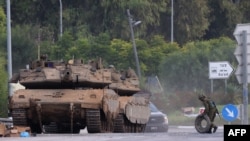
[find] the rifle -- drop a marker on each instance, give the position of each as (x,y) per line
(217,111)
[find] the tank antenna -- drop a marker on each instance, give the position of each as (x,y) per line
(38,45)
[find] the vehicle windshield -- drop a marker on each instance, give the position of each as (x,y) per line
(153,108)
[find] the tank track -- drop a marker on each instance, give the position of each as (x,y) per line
(93,119)
(119,126)
(51,128)
(135,128)
(19,117)
(123,125)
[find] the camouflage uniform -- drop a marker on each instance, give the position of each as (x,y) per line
(210,110)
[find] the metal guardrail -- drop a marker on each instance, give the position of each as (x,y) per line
(7,121)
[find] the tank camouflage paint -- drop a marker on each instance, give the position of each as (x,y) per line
(67,97)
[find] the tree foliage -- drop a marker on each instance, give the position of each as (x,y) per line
(3,66)
(23,45)
(187,69)
(3,86)
(191,20)
(223,17)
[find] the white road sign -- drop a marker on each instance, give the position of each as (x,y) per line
(241,50)
(220,70)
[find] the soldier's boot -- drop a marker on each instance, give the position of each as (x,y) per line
(215,128)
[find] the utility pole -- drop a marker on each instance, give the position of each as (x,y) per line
(172,21)
(9,45)
(61,18)
(131,24)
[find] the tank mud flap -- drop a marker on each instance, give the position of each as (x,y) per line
(111,106)
(202,123)
(137,110)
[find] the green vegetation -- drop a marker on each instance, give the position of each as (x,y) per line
(177,118)
(3,72)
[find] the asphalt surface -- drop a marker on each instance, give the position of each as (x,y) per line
(175,133)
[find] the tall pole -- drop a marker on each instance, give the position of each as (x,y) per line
(172,21)
(9,44)
(245,78)
(60,17)
(134,45)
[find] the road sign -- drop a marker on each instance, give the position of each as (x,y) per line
(238,74)
(229,112)
(238,54)
(220,70)
(242,52)
(239,28)
(242,35)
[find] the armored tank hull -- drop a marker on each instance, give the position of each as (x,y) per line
(65,98)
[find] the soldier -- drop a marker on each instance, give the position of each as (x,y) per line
(210,111)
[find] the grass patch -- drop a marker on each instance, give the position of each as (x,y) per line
(178,118)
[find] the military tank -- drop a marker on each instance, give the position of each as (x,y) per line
(66,97)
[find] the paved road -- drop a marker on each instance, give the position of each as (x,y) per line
(180,133)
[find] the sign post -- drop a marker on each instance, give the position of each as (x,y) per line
(242,54)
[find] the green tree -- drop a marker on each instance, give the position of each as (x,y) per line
(23,47)
(93,16)
(83,48)
(120,54)
(224,16)
(60,50)
(187,69)
(3,66)
(3,86)
(244,7)
(100,46)
(153,54)
(190,20)
(115,18)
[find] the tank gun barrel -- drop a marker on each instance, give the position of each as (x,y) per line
(67,75)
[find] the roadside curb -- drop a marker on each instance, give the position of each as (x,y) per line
(190,127)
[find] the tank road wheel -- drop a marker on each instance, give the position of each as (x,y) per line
(202,123)
(93,120)
(20,119)
(119,126)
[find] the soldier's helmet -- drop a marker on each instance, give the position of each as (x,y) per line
(202,96)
